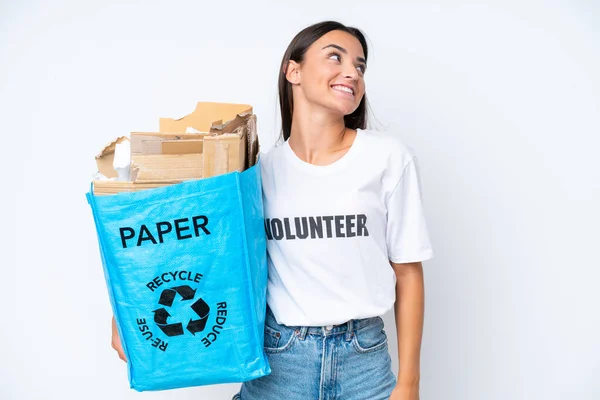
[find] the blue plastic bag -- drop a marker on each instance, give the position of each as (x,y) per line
(186,271)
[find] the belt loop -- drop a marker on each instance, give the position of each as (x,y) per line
(301,332)
(350,331)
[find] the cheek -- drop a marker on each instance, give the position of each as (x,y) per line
(320,75)
(317,84)
(361,89)
(362,85)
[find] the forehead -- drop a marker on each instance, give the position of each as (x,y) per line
(340,38)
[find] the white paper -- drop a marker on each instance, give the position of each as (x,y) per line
(99,177)
(189,129)
(122,160)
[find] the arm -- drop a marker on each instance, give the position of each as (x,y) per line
(408,313)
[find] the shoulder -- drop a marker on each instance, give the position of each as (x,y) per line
(389,147)
(271,151)
(270,157)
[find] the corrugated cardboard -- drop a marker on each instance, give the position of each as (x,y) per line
(224,153)
(182,146)
(204,117)
(160,167)
(113,187)
(104,160)
(152,142)
(253,147)
(239,120)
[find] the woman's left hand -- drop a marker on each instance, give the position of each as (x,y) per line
(405,392)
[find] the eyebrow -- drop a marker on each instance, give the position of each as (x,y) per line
(343,50)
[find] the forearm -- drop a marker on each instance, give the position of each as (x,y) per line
(409,312)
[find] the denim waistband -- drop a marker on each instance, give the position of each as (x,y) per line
(347,327)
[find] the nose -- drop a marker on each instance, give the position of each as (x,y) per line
(350,72)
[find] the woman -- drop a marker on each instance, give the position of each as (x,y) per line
(346,235)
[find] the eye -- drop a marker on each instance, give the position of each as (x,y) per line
(334,54)
(363,67)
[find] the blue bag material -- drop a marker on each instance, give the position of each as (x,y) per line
(186,272)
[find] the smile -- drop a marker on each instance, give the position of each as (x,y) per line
(344,89)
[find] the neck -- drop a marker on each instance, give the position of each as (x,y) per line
(316,133)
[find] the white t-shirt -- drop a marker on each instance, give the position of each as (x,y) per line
(332,230)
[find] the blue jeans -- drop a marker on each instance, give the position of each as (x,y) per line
(341,362)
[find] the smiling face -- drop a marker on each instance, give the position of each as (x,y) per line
(332,73)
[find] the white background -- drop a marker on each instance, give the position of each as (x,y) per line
(499,99)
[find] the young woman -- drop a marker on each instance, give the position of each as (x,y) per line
(346,235)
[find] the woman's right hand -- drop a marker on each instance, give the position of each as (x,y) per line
(116,340)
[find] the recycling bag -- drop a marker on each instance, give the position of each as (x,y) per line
(186,271)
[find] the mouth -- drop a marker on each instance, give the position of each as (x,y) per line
(345,90)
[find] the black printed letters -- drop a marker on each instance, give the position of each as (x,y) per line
(178,229)
(328,226)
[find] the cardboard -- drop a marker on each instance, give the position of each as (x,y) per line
(152,142)
(244,124)
(204,117)
(253,147)
(182,146)
(103,188)
(224,153)
(160,167)
(227,141)
(104,159)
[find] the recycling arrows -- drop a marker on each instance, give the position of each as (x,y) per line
(202,309)
(175,329)
(160,317)
(168,295)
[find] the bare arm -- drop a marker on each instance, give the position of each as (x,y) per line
(408,312)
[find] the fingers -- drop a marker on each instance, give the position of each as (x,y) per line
(116,344)
(116,341)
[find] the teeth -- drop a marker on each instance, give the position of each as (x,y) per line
(343,89)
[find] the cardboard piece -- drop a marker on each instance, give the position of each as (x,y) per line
(182,146)
(102,188)
(246,123)
(152,142)
(161,167)
(224,153)
(253,147)
(204,117)
(104,159)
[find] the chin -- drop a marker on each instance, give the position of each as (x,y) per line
(340,107)
(346,109)
(343,106)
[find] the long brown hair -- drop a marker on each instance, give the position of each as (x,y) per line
(295,51)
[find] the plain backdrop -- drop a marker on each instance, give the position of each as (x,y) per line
(499,99)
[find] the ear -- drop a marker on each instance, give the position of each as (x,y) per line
(293,72)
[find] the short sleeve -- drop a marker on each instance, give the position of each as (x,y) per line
(407,236)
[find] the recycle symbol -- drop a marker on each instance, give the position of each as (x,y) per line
(175,329)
